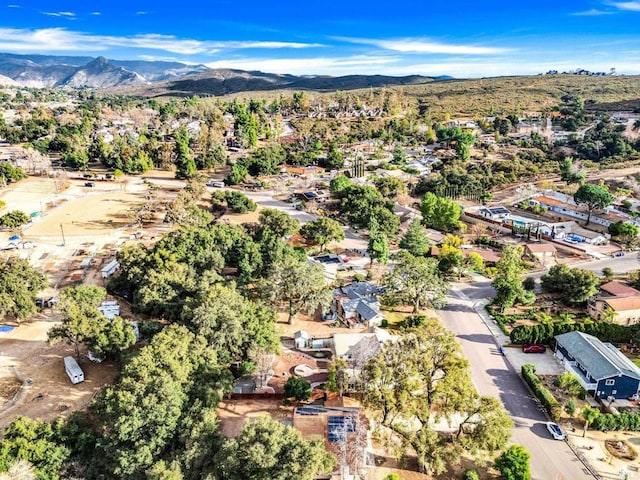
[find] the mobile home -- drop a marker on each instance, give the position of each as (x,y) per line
(110,269)
(75,373)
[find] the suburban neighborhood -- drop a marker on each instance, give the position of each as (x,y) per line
(330,284)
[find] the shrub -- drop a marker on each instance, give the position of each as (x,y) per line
(621,421)
(544,395)
(544,333)
(14,219)
(414,321)
(298,388)
(471,475)
(529,283)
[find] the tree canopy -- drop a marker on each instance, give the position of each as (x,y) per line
(269,450)
(322,231)
(19,286)
(594,197)
(439,212)
(576,285)
(415,281)
(508,281)
(422,378)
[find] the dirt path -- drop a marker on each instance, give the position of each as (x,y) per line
(51,394)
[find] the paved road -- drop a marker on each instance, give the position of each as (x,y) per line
(493,376)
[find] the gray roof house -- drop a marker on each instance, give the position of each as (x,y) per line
(600,367)
(357,304)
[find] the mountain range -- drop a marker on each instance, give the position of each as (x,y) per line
(154,78)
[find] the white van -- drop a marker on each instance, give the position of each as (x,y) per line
(75,373)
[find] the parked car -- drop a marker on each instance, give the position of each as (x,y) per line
(89,184)
(556,431)
(534,348)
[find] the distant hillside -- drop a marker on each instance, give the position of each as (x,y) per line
(531,93)
(226,82)
(61,71)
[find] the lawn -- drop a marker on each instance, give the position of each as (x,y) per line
(636,361)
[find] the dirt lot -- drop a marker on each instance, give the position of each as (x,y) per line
(313,327)
(88,215)
(51,394)
(233,413)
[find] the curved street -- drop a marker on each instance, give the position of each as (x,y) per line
(494,376)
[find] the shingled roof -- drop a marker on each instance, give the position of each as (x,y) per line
(601,360)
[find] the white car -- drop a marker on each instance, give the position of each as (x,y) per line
(556,431)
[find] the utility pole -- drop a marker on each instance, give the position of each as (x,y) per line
(62,230)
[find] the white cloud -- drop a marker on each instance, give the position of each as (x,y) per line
(96,13)
(60,39)
(14,6)
(628,6)
(594,12)
(416,45)
(59,14)
(358,64)
(140,12)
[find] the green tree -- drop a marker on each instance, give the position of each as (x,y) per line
(339,185)
(322,231)
(404,382)
(269,450)
(238,202)
(76,160)
(415,281)
(337,376)
(390,187)
(14,219)
(594,197)
(590,415)
(513,464)
(451,260)
(10,173)
(277,223)
(335,158)
(568,174)
(231,324)
(608,273)
(19,285)
(399,155)
(439,212)
(149,409)
(415,240)
(575,284)
(298,285)
(185,165)
(298,388)
(111,337)
(81,317)
(236,175)
(35,442)
(378,247)
(508,281)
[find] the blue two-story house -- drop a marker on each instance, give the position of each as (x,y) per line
(601,368)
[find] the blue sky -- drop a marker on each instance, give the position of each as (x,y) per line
(459,38)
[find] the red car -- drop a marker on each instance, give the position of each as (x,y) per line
(534,348)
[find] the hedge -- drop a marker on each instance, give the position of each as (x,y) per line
(621,421)
(544,332)
(544,395)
